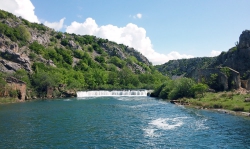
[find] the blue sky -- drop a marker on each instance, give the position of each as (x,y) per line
(161,29)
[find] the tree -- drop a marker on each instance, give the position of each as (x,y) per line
(199,88)
(182,88)
(24,33)
(21,74)
(38,48)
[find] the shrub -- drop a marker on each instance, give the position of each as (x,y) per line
(59,35)
(24,33)
(238,108)
(166,89)
(36,47)
(182,88)
(217,106)
(199,88)
(90,49)
(64,42)
(13,93)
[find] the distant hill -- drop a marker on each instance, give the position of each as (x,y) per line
(237,58)
(45,59)
(183,66)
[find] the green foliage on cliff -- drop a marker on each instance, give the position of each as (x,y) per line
(184,66)
(19,33)
(73,61)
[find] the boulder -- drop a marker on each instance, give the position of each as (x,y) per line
(247,100)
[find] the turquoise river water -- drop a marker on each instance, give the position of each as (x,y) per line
(118,122)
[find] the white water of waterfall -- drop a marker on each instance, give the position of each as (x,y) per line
(112,93)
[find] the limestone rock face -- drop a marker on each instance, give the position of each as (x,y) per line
(8,66)
(221,82)
(48,62)
(138,55)
(124,53)
(237,58)
(17,85)
(15,61)
(14,48)
(39,37)
(244,40)
(11,59)
(74,45)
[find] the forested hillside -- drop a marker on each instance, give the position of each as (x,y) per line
(45,59)
(183,66)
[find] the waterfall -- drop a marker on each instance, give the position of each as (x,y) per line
(112,93)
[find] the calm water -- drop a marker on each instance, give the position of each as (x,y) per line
(118,122)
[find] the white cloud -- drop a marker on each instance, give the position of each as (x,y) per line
(139,15)
(215,53)
(130,35)
(55,25)
(23,8)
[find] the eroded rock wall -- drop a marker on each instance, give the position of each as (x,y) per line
(18,85)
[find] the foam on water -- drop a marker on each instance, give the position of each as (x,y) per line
(200,124)
(157,126)
(150,132)
(112,93)
(167,123)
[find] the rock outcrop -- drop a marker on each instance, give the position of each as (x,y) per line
(11,59)
(41,38)
(216,78)
(237,58)
(73,45)
(244,40)
(18,85)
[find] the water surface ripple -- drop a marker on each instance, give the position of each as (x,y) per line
(118,122)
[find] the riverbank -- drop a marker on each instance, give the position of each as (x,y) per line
(6,100)
(234,103)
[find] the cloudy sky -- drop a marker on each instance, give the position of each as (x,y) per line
(161,30)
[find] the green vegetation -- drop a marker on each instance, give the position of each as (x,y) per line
(222,100)
(70,62)
(4,100)
(194,94)
(183,87)
(182,66)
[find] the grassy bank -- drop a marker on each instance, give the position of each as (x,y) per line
(8,100)
(222,100)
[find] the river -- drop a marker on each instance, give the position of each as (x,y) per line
(118,122)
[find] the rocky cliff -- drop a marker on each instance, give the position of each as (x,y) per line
(236,60)
(45,60)
(238,57)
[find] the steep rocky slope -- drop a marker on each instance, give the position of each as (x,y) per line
(238,57)
(53,64)
(15,51)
